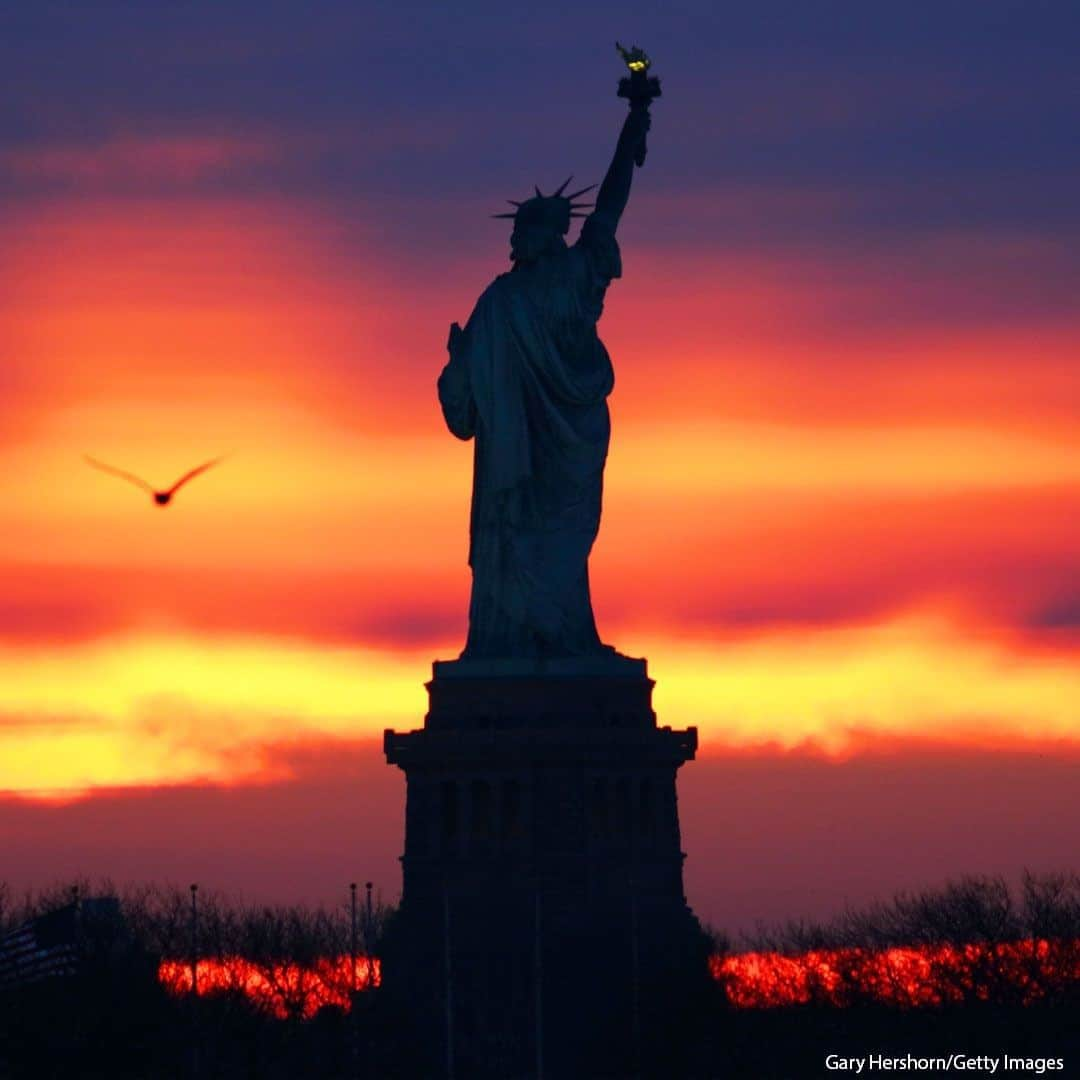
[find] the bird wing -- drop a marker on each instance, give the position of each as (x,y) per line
(192,474)
(130,477)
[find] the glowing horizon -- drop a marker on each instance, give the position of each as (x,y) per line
(152,708)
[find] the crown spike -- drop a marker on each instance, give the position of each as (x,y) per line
(513,202)
(581,192)
(562,186)
(504,215)
(539,193)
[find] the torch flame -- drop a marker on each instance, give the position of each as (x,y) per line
(634,58)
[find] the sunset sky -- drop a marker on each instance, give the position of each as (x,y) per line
(842,505)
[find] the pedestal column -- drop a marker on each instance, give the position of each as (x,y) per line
(543,861)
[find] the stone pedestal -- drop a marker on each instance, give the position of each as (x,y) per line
(543,915)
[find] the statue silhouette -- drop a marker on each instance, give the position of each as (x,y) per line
(528,379)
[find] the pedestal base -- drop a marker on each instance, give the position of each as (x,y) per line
(542,905)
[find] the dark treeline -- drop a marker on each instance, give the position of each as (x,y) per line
(970,910)
(159,918)
(976,967)
(114,1018)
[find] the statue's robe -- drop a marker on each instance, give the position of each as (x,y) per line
(529,378)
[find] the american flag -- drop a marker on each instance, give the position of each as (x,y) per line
(48,946)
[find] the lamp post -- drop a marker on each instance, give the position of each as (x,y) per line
(194,943)
(195,1063)
(368,928)
(352,935)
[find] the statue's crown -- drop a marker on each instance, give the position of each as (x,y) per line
(554,210)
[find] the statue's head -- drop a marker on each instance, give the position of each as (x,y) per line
(540,223)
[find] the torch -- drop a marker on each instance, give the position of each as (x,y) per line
(639,88)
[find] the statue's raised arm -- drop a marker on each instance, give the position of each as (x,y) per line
(639,88)
(614,191)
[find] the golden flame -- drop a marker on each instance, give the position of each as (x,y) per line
(635,59)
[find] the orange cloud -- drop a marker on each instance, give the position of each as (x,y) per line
(878,516)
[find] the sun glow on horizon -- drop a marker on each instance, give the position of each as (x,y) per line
(154,709)
(904,977)
(145,710)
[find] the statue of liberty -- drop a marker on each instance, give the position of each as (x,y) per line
(528,379)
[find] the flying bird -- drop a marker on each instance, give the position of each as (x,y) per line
(161,498)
